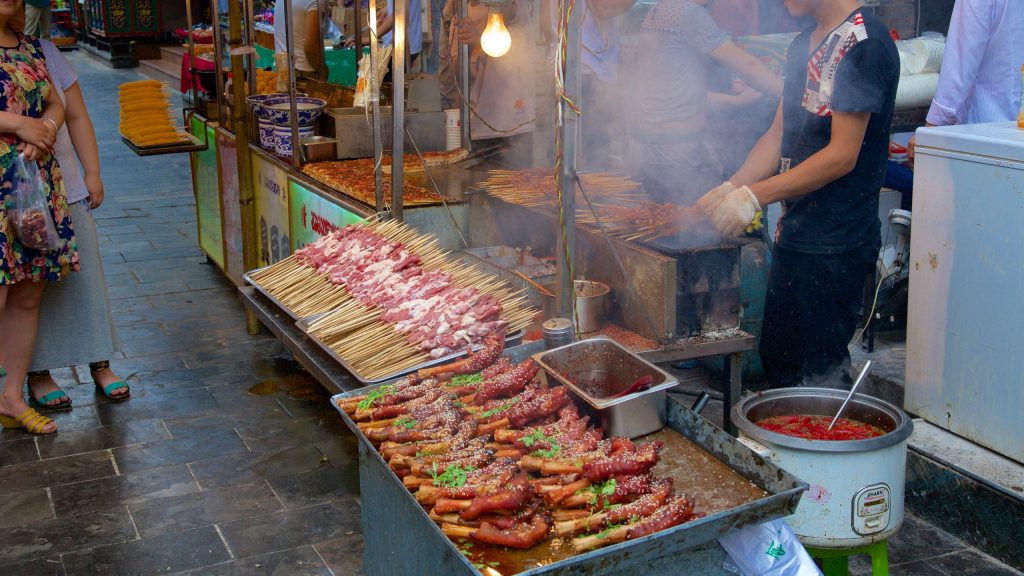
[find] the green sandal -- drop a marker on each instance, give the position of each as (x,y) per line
(43,402)
(106,390)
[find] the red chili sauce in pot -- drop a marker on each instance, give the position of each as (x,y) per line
(816,428)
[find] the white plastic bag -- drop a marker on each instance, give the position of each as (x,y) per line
(28,208)
(769,549)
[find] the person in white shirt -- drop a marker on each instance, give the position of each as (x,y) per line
(980,77)
(413,26)
(307,36)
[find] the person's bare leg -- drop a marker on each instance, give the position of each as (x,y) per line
(19,323)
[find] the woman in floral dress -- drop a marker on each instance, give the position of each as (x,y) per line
(30,115)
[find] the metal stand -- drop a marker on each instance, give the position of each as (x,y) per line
(325,369)
(730,347)
(398,109)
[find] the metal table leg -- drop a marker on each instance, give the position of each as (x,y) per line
(733,390)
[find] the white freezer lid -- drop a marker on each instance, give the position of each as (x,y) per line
(997,139)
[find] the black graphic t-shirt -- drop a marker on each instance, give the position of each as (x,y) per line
(855,69)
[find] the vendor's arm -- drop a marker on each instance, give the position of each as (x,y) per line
(747,67)
(969,32)
(835,160)
(313,43)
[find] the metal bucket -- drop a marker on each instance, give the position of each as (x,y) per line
(856,486)
(591,305)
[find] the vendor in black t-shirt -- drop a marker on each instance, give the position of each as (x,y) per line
(824,158)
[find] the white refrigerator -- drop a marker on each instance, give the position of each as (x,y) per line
(965,326)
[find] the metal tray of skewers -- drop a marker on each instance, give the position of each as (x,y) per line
(733,487)
(303,324)
(247,278)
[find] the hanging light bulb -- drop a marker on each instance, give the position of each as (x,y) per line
(495,40)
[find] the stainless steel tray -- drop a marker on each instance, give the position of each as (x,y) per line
(401,539)
(303,324)
(246,278)
(602,358)
(596,354)
(513,339)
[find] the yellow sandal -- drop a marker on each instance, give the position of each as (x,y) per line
(30,420)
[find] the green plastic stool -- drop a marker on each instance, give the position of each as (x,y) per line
(836,562)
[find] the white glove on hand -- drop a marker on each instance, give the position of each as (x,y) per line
(735,211)
(709,201)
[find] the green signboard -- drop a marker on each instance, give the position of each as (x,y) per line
(312,215)
(206,184)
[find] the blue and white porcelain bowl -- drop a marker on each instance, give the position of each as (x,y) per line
(267,134)
(283,138)
(256,103)
(278,110)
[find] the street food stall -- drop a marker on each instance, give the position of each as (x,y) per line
(411,269)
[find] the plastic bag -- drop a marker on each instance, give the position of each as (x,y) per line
(769,549)
(28,209)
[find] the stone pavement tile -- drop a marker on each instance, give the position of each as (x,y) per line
(55,472)
(61,535)
(970,563)
(144,346)
(157,555)
(313,407)
(143,254)
(247,467)
(117,491)
(320,486)
(148,329)
(142,365)
(256,354)
(17,447)
(168,269)
(270,436)
(184,403)
(178,513)
(343,453)
(918,540)
(191,425)
(39,567)
(151,289)
(344,555)
(129,304)
(80,418)
(169,381)
(116,435)
(291,528)
(231,402)
(129,318)
(25,508)
(124,243)
(205,282)
(179,450)
(120,279)
(303,561)
(118,230)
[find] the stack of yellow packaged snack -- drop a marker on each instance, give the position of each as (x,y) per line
(146,118)
(266,81)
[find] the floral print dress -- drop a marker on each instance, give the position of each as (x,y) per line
(24,89)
